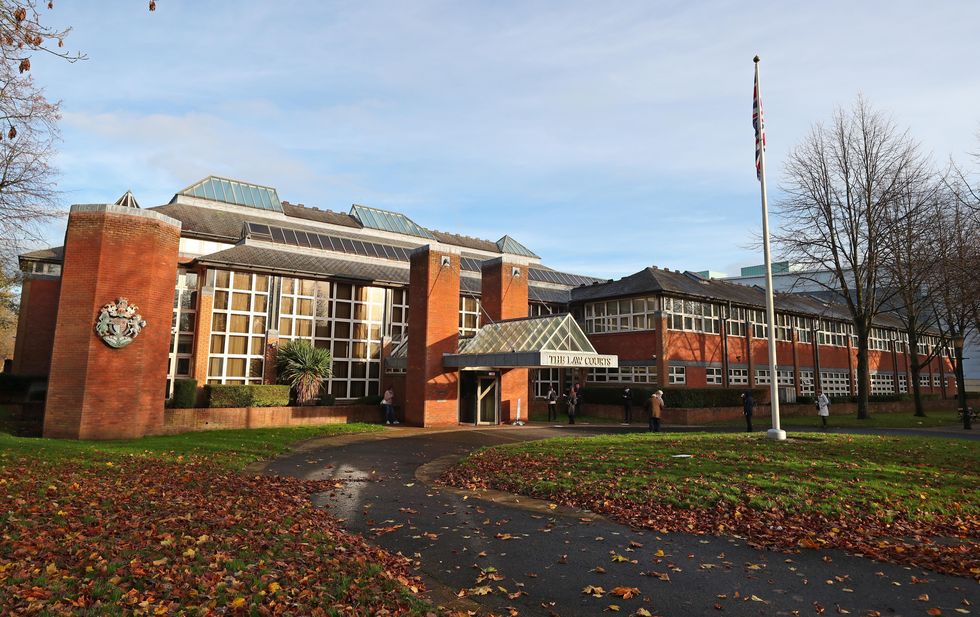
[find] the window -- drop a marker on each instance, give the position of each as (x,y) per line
(759,327)
(537,309)
(925,344)
(397,326)
(623,374)
(738,376)
(804,332)
(762,377)
(937,382)
(713,376)
(806,382)
(542,379)
(923,380)
(297,300)
(676,375)
(352,331)
(625,315)
(835,383)
(833,333)
(882,383)
(879,339)
(736,322)
(784,327)
(785,377)
(469,315)
(903,383)
(182,327)
(692,316)
(238,327)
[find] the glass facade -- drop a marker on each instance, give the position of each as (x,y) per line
(469,315)
(182,327)
(238,326)
(692,316)
(626,315)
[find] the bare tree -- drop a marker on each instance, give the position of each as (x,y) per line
(955,285)
(911,264)
(840,183)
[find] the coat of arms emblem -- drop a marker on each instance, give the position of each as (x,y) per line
(119,323)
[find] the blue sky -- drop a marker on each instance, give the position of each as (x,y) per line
(605,136)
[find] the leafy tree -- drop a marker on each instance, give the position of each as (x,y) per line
(304,367)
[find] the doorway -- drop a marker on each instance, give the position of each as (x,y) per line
(479,397)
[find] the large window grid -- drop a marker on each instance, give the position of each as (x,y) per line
(182,327)
(625,315)
(542,379)
(355,327)
(623,374)
(693,316)
(397,324)
(738,376)
(806,383)
(469,315)
(833,333)
(299,300)
(676,375)
(879,339)
(784,327)
(835,383)
(238,327)
(882,383)
(760,328)
(735,324)
(804,329)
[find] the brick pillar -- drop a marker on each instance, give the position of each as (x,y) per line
(660,348)
(96,391)
(503,295)
(431,391)
(35,324)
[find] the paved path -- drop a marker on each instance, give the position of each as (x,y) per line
(550,556)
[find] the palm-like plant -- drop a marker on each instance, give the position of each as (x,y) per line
(304,367)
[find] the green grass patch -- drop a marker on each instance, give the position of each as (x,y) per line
(234,449)
(905,419)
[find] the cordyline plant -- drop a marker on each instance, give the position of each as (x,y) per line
(304,367)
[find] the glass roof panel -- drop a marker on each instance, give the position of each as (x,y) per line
(512,246)
(386,220)
(550,333)
(235,192)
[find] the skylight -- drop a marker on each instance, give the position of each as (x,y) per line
(512,246)
(386,220)
(235,192)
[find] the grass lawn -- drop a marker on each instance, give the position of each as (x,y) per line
(936,418)
(866,494)
(169,525)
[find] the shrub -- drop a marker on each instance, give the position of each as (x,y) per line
(374,399)
(248,396)
(328,399)
(673,397)
(269,395)
(304,367)
(185,393)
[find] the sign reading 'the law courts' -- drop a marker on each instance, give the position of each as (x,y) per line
(578,360)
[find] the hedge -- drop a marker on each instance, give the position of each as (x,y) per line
(374,399)
(673,397)
(248,396)
(185,393)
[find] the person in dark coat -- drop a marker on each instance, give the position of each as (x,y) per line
(572,401)
(627,406)
(748,406)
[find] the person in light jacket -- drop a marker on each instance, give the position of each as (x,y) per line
(552,398)
(823,408)
(655,406)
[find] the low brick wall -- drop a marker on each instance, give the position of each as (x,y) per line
(702,415)
(177,421)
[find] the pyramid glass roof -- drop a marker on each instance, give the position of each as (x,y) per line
(385,220)
(549,333)
(512,246)
(235,192)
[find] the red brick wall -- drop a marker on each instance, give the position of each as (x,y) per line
(431,391)
(35,325)
(95,391)
(504,296)
(176,421)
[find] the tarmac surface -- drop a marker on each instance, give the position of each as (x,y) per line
(528,557)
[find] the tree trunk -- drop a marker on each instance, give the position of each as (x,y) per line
(863,376)
(912,353)
(961,388)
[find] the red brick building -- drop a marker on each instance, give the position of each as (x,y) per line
(466,329)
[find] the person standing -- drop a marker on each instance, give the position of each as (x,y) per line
(552,398)
(748,406)
(823,408)
(655,405)
(572,401)
(627,406)
(388,403)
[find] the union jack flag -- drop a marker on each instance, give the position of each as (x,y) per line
(759,125)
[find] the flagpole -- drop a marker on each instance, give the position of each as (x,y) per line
(775,432)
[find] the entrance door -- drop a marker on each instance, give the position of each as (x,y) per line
(487,400)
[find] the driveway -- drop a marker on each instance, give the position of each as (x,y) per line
(537,561)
